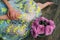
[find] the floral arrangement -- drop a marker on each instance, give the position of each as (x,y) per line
(42,26)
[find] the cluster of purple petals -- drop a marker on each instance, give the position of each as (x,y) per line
(42,26)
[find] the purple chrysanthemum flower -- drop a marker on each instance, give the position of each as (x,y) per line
(42,26)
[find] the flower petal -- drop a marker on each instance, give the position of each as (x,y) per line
(40,29)
(49,30)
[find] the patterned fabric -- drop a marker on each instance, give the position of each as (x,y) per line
(3,8)
(18,29)
(28,8)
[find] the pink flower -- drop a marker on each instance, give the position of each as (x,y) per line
(52,23)
(40,29)
(34,34)
(43,19)
(48,30)
(42,26)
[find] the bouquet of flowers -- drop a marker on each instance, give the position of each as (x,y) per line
(42,27)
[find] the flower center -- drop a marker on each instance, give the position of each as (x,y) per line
(44,23)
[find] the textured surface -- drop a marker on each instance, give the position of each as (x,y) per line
(53,12)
